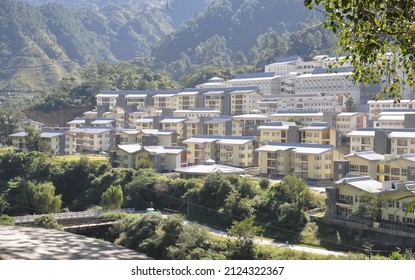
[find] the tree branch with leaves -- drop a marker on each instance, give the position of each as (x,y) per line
(377,37)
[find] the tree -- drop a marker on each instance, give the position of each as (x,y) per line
(244,231)
(264,183)
(371,205)
(34,141)
(10,116)
(39,197)
(191,243)
(350,104)
(377,37)
(112,198)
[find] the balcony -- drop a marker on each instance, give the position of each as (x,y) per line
(344,201)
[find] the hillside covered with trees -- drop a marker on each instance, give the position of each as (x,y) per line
(46,41)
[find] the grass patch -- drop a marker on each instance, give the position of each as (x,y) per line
(91,158)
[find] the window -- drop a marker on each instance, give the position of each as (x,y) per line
(353,168)
(363,168)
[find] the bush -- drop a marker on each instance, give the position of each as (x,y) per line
(47,221)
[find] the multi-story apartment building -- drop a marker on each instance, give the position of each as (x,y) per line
(362,140)
(214,99)
(321,102)
(349,121)
(336,81)
(251,122)
(268,83)
(54,141)
(227,150)
(397,167)
(202,148)
(304,118)
(319,133)
(244,101)
(268,105)
(402,142)
(237,151)
(382,168)
(378,106)
(223,126)
(176,124)
(89,139)
(308,161)
(165,100)
(165,159)
(344,197)
(284,132)
(144,123)
(187,100)
(366,163)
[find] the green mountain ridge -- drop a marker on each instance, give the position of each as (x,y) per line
(44,41)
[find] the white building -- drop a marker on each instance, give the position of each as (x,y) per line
(349,121)
(336,81)
(378,106)
(268,83)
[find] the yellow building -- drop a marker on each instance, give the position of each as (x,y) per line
(192,127)
(319,133)
(244,101)
(130,136)
(396,167)
(162,101)
(283,132)
(165,159)
(177,124)
(214,100)
(251,122)
(237,151)
(308,161)
(202,148)
(223,126)
(367,163)
(144,123)
(344,197)
(226,150)
(187,100)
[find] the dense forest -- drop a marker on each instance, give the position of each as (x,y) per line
(44,42)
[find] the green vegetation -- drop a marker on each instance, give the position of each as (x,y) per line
(47,221)
(112,198)
(369,32)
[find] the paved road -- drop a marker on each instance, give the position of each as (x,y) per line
(25,243)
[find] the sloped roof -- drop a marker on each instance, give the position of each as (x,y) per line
(365,183)
(130,148)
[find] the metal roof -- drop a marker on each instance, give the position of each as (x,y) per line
(205,169)
(365,183)
(401,134)
(369,155)
(130,148)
